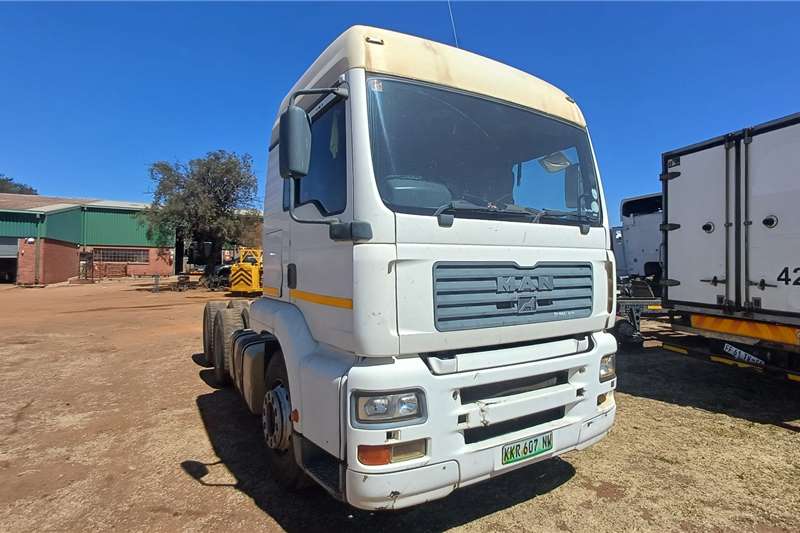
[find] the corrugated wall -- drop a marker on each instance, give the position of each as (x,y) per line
(20,225)
(92,226)
(118,227)
(64,226)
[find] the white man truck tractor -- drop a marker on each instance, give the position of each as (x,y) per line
(437,276)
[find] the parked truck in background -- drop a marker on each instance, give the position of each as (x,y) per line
(438,276)
(637,250)
(731,243)
(637,243)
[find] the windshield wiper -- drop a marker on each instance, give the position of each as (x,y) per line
(555,213)
(461,205)
(468,207)
(584,219)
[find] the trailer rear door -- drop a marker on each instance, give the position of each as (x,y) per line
(771,204)
(698,185)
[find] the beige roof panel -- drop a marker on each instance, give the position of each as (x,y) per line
(44,204)
(388,52)
(36,202)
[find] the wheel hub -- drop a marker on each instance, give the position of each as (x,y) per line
(276,418)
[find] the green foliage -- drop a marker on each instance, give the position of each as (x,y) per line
(208,200)
(8,185)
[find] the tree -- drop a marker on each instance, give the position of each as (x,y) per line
(8,185)
(208,200)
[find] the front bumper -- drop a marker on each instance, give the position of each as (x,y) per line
(465,439)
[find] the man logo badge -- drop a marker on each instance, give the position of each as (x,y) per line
(524,283)
(526,304)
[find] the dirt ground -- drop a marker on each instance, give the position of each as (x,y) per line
(107,421)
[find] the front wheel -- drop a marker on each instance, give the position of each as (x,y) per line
(276,423)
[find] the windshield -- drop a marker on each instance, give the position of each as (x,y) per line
(436,150)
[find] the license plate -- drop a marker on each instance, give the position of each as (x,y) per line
(526,448)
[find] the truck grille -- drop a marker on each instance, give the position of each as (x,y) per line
(484,295)
(478,434)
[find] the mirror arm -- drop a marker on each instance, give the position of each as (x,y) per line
(341,92)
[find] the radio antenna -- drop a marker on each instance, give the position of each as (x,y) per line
(452,23)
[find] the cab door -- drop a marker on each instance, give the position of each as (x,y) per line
(320,270)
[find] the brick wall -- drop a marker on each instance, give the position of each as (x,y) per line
(58,261)
(159,261)
(26,258)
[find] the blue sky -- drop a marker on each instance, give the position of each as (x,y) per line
(91,94)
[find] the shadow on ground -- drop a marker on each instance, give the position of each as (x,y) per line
(662,375)
(236,437)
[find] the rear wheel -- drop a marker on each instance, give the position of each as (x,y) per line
(246,316)
(227,321)
(276,423)
(209,314)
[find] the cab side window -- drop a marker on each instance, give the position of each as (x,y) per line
(326,183)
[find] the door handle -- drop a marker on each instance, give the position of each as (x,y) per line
(761,284)
(291,275)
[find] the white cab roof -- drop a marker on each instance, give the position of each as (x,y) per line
(397,54)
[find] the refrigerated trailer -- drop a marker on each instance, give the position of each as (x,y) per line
(731,225)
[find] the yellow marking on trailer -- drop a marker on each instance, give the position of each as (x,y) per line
(748,328)
(272,291)
(727,361)
(322,299)
(654,308)
(672,348)
(793,377)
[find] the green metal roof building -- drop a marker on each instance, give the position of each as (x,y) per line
(54,230)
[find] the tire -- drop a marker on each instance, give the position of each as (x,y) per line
(626,335)
(209,314)
(246,317)
(227,321)
(238,304)
(282,463)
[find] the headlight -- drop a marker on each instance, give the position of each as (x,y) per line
(374,408)
(608,367)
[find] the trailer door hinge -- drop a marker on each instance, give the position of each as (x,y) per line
(669,282)
(714,281)
(669,226)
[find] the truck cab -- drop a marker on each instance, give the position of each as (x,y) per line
(438,275)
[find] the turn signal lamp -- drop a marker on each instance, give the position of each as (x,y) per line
(390,453)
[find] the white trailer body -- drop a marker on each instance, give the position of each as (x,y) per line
(442,329)
(641,235)
(731,237)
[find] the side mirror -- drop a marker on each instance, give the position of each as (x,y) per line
(294,142)
(572,181)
